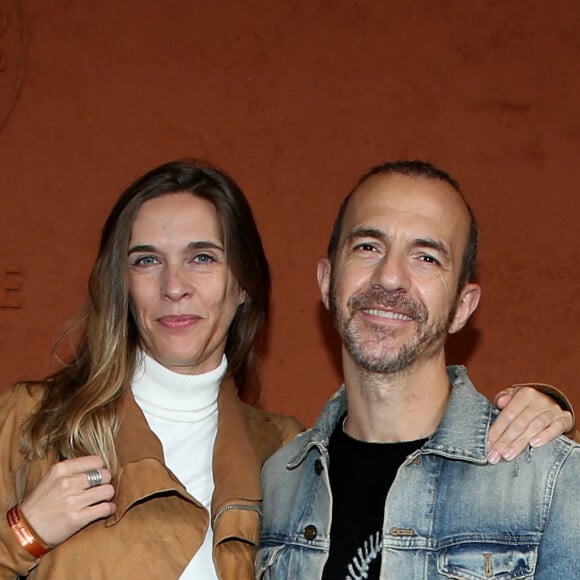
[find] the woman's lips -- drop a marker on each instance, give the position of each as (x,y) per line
(178,320)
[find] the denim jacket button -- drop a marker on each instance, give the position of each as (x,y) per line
(310,532)
(318,467)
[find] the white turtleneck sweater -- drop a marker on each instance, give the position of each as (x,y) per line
(182,411)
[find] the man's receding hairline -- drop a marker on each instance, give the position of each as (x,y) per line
(429,179)
(467,215)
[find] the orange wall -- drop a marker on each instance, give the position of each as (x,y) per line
(296,100)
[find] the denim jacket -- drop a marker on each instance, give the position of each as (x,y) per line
(448,514)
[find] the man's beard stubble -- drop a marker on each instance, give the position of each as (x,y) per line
(385,358)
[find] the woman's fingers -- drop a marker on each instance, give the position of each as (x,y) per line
(528,417)
(71,495)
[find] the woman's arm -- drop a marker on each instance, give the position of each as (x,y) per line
(59,505)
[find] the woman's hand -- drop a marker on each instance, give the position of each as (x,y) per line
(528,417)
(63,502)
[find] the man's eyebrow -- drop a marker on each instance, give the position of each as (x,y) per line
(417,242)
(199,245)
(365,233)
(433,244)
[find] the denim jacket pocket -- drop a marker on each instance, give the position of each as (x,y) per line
(483,560)
(265,560)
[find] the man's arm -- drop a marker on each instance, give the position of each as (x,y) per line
(532,414)
(558,550)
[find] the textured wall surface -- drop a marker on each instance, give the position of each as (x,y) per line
(296,100)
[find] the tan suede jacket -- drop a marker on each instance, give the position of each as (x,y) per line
(158,526)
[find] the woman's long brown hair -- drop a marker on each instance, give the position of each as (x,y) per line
(80,410)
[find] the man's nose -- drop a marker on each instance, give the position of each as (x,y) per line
(392,273)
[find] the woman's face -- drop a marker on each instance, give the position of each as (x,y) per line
(183,294)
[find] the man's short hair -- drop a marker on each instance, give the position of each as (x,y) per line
(424,170)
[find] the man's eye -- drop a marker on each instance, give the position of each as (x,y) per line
(429,259)
(365,247)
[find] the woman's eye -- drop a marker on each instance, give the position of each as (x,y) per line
(203,259)
(145,261)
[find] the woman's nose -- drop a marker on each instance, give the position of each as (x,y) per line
(175,283)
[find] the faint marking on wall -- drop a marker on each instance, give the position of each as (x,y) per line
(11,286)
(12,55)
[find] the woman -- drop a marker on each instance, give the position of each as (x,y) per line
(138,459)
(180,286)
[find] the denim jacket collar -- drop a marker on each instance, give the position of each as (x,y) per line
(466,408)
(462,432)
(319,435)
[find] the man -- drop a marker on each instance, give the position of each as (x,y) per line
(393,482)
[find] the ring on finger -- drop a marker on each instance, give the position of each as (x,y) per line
(94,477)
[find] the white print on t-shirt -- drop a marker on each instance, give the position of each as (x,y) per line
(358,569)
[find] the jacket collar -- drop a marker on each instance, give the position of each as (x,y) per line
(461,434)
(320,434)
(236,467)
(142,472)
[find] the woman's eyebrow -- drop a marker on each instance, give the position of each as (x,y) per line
(198,245)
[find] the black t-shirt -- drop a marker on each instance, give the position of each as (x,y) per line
(361,475)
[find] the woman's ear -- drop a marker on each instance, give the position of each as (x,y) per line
(242,297)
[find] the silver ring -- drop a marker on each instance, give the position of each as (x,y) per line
(94,477)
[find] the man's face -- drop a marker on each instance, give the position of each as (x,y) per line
(393,289)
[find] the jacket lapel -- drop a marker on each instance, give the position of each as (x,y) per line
(142,472)
(236,466)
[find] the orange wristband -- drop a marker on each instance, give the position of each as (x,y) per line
(25,536)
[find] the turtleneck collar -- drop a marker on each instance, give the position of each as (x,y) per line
(164,393)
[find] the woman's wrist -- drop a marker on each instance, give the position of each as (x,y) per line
(24,533)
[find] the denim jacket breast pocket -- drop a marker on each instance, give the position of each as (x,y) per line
(482,560)
(289,561)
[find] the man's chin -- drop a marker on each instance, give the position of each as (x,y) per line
(381,360)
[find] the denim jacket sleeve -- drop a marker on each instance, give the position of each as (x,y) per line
(558,550)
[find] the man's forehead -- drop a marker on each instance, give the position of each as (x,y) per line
(407,198)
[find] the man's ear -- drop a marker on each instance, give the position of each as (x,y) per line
(323,274)
(466,305)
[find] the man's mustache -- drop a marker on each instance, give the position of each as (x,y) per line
(380,298)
